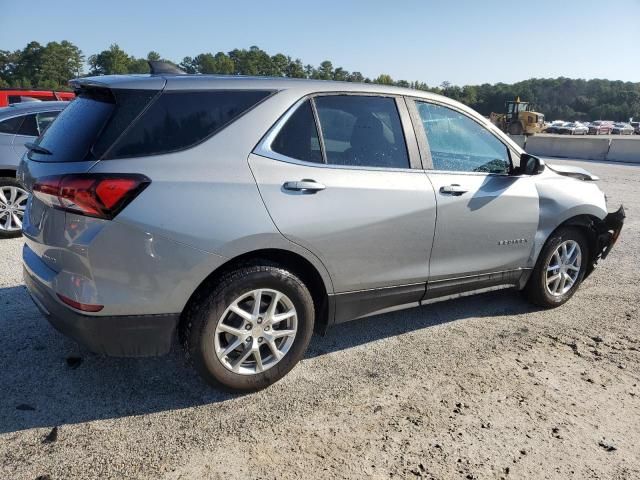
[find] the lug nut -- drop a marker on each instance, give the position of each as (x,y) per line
(248,339)
(259,319)
(247,326)
(267,328)
(260,339)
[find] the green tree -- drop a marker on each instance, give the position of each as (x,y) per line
(110,62)
(60,62)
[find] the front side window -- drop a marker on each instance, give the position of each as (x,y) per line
(298,138)
(362,131)
(460,144)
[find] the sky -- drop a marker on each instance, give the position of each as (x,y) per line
(459,41)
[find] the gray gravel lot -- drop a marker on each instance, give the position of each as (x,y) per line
(481,387)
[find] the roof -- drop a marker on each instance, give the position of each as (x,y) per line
(298,86)
(199,81)
(31,107)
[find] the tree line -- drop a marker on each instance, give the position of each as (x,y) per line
(50,66)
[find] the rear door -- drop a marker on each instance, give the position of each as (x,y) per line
(340,178)
(8,130)
(487,217)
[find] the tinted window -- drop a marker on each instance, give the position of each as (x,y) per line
(70,137)
(29,126)
(298,138)
(11,125)
(129,104)
(460,144)
(178,120)
(44,119)
(362,131)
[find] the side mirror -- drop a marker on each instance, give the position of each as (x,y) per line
(530,165)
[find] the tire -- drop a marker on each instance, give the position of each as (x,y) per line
(515,129)
(205,342)
(536,289)
(11,208)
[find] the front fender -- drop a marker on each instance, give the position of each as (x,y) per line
(562,199)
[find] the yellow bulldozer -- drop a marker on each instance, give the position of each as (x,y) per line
(518,118)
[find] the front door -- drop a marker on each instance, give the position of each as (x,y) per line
(487,218)
(350,195)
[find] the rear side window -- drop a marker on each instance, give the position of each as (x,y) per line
(29,126)
(362,131)
(298,138)
(179,120)
(11,125)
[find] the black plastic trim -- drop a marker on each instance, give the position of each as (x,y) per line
(118,336)
(352,305)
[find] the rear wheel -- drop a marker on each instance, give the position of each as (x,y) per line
(251,330)
(560,268)
(13,201)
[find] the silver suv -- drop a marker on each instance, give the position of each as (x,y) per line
(241,214)
(20,123)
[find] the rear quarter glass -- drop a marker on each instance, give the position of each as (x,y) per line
(178,120)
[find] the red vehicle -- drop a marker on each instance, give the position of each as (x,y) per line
(600,127)
(18,95)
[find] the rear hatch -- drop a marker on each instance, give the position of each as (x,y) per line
(81,135)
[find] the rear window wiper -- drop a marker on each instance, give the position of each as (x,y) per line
(32,147)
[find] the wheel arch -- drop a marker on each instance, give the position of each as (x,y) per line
(291,261)
(7,172)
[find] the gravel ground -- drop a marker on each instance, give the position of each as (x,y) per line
(481,387)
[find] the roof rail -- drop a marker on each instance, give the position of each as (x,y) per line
(158,68)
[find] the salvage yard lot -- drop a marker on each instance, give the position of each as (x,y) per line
(481,387)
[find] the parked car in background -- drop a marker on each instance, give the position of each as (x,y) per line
(555,126)
(10,96)
(622,129)
(19,123)
(600,127)
(636,127)
(316,202)
(573,128)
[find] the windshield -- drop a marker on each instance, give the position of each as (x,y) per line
(70,136)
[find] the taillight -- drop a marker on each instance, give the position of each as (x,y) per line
(93,194)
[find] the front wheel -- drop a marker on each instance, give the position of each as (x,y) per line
(13,201)
(251,329)
(560,268)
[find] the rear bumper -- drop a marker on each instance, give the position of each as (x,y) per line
(119,336)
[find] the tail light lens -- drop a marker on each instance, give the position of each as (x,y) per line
(91,194)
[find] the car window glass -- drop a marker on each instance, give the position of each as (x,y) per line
(179,120)
(298,138)
(29,126)
(362,131)
(11,125)
(460,144)
(44,119)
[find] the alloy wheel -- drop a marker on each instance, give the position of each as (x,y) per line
(13,201)
(256,331)
(563,268)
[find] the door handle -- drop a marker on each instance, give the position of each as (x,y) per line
(453,189)
(305,185)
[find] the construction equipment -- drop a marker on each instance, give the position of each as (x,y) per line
(518,118)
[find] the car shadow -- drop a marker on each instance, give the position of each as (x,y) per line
(47,380)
